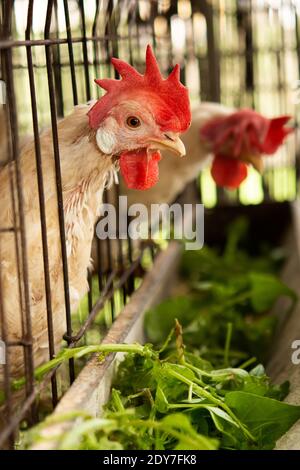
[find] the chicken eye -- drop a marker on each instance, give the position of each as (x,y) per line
(133,122)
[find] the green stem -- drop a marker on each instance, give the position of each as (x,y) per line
(83,351)
(248,363)
(193,406)
(227,344)
(236,300)
(204,393)
(213,375)
(116,400)
(168,340)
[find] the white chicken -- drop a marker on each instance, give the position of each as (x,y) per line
(138,115)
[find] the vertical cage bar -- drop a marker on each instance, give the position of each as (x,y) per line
(85,51)
(58,181)
(6,372)
(41,194)
(57,67)
(71,52)
(28,351)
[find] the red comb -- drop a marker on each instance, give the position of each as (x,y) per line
(168,97)
(245,128)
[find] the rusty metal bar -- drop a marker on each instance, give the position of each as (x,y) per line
(28,352)
(56,66)
(41,194)
(109,260)
(7,390)
(51,41)
(58,179)
(4,337)
(71,53)
(85,51)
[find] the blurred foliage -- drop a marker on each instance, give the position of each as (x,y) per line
(229,292)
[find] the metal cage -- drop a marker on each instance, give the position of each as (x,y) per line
(240,52)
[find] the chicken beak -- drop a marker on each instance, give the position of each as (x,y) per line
(256,161)
(172,143)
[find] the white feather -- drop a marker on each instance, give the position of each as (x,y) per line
(106,140)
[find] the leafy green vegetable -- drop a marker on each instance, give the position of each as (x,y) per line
(183,308)
(229,289)
(179,401)
(267,419)
(200,392)
(265,290)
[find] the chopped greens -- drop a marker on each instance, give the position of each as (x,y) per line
(221,289)
(179,401)
(199,386)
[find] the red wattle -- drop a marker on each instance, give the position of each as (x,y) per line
(228,172)
(139,168)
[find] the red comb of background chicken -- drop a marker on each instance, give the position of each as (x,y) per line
(239,139)
(168,97)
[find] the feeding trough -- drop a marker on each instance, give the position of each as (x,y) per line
(91,390)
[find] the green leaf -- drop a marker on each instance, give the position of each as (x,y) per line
(172,389)
(221,414)
(106,444)
(223,374)
(266,418)
(161,401)
(223,423)
(236,232)
(160,320)
(188,438)
(181,369)
(258,371)
(266,289)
